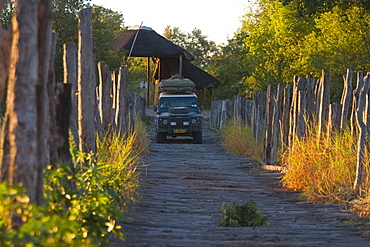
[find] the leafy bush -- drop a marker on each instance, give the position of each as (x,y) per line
(244,215)
(82,204)
(40,226)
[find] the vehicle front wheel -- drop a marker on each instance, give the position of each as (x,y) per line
(197,137)
(161,137)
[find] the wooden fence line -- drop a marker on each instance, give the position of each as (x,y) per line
(279,115)
(105,107)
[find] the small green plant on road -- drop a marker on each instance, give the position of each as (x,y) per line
(241,215)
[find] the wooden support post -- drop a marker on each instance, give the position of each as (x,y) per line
(148,81)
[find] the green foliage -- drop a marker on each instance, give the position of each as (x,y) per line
(82,205)
(107,24)
(195,43)
(40,226)
(241,215)
(282,38)
(6,14)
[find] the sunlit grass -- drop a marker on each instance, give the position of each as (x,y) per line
(238,139)
(324,170)
(118,157)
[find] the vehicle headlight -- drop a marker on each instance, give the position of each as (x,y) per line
(173,123)
(185,123)
(194,121)
(165,121)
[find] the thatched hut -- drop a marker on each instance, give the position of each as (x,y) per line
(170,58)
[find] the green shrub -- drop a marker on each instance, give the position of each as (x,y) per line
(82,204)
(244,215)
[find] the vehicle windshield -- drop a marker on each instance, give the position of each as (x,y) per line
(168,102)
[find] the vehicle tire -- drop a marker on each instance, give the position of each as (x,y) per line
(161,137)
(197,137)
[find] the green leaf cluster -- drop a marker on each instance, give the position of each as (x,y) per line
(107,24)
(241,215)
(279,39)
(83,204)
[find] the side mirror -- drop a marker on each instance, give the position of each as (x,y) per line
(155,108)
(201,107)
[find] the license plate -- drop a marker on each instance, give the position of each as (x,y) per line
(179,131)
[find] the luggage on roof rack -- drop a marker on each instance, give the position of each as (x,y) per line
(177,85)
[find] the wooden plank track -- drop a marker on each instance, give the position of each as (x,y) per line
(185,185)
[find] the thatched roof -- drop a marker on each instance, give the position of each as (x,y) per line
(149,44)
(201,78)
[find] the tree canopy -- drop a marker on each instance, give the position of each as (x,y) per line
(106,26)
(283,38)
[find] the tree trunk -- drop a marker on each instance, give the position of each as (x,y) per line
(86,83)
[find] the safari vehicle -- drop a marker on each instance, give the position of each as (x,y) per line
(178,112)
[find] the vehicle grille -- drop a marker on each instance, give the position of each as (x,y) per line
(180,121)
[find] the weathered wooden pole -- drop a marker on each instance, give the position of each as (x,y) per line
(86,83)
(121,101)
(20,162)
(105,99)
(271,93)
(285,123)
(324,103)
(276,120)
(346,99)
(301,107)
(70,77)
(356,93)
(361,117)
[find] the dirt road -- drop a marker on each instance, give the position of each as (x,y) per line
(185,185)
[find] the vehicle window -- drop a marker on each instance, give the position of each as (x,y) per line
(178,102)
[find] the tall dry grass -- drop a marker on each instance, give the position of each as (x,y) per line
(118,158)
(323,170)
(237,138)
